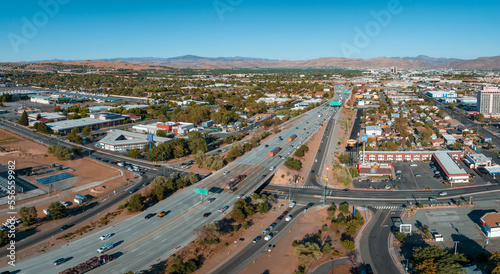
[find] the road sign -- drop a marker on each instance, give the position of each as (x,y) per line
(364,138)
(201,191)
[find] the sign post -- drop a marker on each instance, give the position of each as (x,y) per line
(201,191)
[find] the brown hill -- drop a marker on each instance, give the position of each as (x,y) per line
(479,63)
(104,64)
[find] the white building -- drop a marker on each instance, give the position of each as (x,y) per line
(491,224)
(373,131)
(120,140)
(488,100)
(442,94)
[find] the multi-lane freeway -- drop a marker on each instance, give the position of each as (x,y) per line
(138,242)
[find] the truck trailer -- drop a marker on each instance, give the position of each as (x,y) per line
(234,181)
(89,265)
(275,151)
(291,138)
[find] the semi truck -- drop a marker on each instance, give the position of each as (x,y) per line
(89,265)
(234,181)
(275,151)
(291,138)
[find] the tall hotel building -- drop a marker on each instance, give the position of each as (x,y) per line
(488,101)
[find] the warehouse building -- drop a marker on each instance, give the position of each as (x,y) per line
(96,121)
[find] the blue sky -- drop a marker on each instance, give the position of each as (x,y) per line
(277,29)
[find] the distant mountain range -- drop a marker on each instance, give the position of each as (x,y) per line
(419,62)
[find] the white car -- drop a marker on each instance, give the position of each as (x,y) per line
(226,172)
(105,248)
(268,237)
(413,165)
(288,218)
(105,236)
(292,204)
(64,203)
(271,168)
(239,196)
(443,193)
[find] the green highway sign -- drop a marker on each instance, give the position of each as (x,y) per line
(201,191)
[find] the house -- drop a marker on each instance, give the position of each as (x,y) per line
(437,142)
(372,131)
(449,139)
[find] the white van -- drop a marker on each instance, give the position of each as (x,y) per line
(288,218)
(268,237)
(105,248)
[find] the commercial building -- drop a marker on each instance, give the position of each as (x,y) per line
(373,131)
(491,224)
(47,100)
(168,127)
(47,115)
(444,159)
(467,100)
(449,139)
(96,121)
(375,169)
(477,160)
(120,140)
(442,94)
(488,101)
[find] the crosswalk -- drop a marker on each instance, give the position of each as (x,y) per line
(310,187)
(386,207)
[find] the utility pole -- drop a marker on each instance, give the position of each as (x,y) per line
(456,243)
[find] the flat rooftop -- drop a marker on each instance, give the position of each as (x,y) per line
(479,158)
(451,167)
(121,137)
(492,169)
(492,219)
(69,124)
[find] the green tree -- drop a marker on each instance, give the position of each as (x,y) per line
(24,119)
(136,203)
(74,136)
(326,249)
(344,207)
(263,207)
(434,259)
(41,127)
(348,245)
(452,105)
(87,132)
(344,158)
(480,117)
(241,210)
(134,153)
(61,152)
(57,211)
(255,196)
(197,142)
(293,163)
(28,215)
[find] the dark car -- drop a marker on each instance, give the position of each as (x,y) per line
(285,212)
(146,183)
(280,218)
(310,204)
(149,216)
(132,190)
(266,146)
(207,214)
(64,227)
(257,239)
(58,261)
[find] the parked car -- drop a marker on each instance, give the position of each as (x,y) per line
(268,237)
(292,204)
(64,203)
(266,231)
(105,236)
(289,218)
(256,239)
(132,190)
(272,225)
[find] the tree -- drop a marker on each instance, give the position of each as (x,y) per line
(136,203)
(87,132)
(241,210)
(348,245)
(74,136)
(306,252)
(41,127)
(197,142)
(134,153)
(327,249)
(332,209)
(344,207)
(255,196)
(62,153)
(293,163)
(452,105)
(344,158)
(457,146)
(57,211)
(263,207)
(480,117)
(24,119)
(28,215)
(434,259)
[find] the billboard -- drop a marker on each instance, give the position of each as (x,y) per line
(364,138)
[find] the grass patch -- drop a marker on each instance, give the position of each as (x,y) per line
(8,140)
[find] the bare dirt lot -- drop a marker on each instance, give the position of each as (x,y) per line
(86,181)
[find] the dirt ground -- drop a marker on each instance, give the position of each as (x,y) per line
(27,154)
(282,259)
(307,161)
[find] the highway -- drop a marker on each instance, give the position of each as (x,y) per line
(139,242)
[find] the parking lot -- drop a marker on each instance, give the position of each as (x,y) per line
(455,224)
(420,175)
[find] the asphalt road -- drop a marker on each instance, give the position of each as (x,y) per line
(375,243)
(139,242)
(249,254)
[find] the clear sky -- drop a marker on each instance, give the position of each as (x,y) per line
(276,29)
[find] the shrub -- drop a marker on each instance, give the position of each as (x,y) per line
(245,225)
